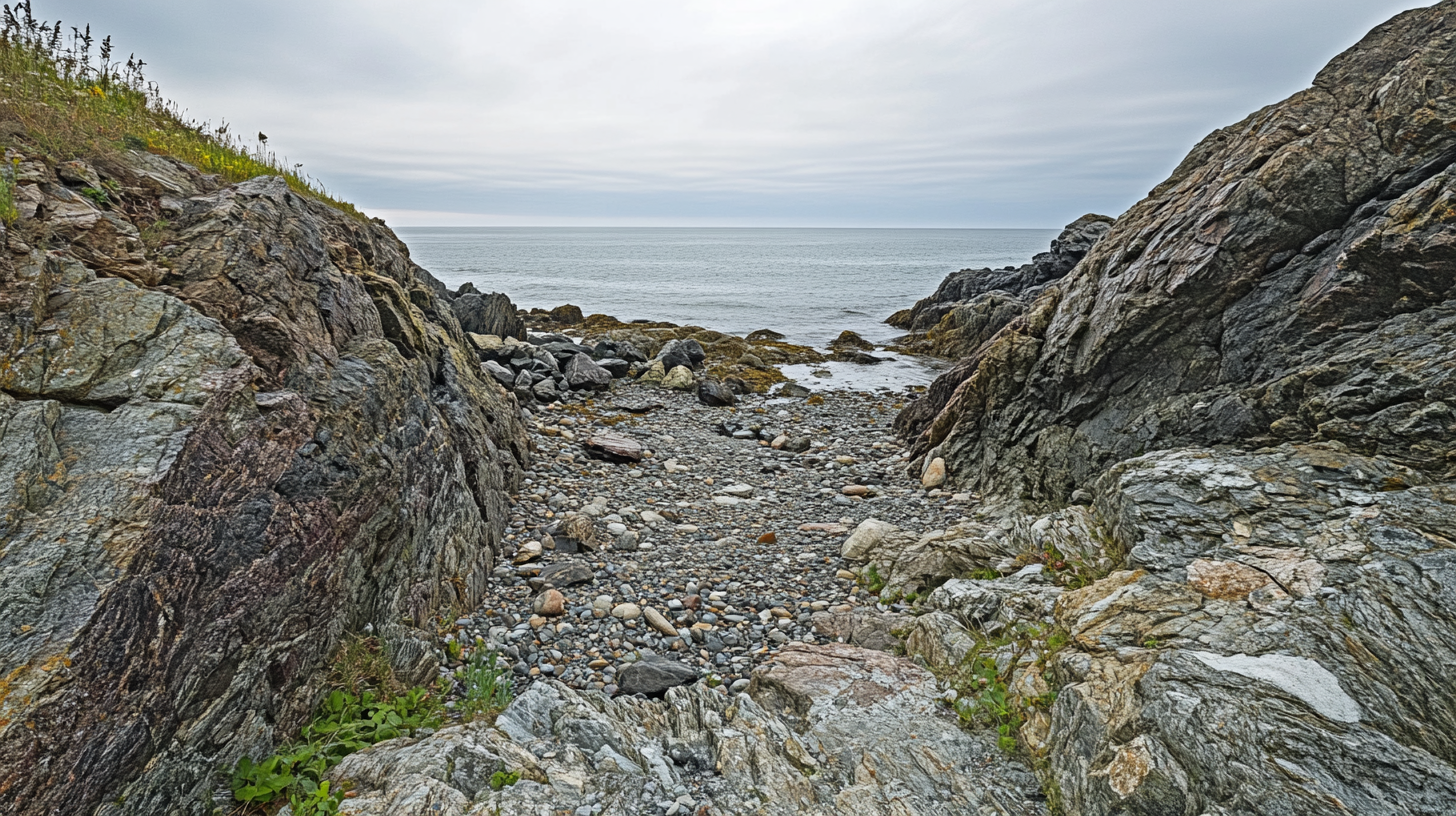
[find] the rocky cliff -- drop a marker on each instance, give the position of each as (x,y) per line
(1239,404)
(235,424)
(1290,282)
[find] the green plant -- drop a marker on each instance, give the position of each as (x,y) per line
(487,683)
(313,799)
(9,213)
(872,579)
(985,574)
(97,195)
(258,783)
(348,719)
(453,649)
(504,779)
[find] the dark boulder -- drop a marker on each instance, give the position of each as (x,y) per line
(653,675)
(849,341)
(566,573)
(567,315)
(715,394)
(500,373)
(616,366)
(620,349)
(488,314)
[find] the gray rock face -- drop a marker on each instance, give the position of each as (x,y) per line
(798,743)
(1283,610)
(1291,281)
(488,314)
(652,675)
(216,449)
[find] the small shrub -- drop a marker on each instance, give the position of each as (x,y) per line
(97,195)
(873,581)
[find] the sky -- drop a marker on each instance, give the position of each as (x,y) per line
(848,113)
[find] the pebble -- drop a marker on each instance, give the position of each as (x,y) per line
(717,556)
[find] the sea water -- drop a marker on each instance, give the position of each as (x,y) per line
(807,284)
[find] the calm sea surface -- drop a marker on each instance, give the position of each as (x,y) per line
(809,284)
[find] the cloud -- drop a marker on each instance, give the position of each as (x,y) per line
(919,112)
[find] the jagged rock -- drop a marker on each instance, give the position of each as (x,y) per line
(714,394)
(654,375)
(794,745)
(488,314)
(615,366)
(1183,663)
(566,315)
(1291,281)
(583,374)
(201,493)
(863,628)
(499,373)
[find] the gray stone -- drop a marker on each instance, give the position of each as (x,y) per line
(653,675)
(583,374)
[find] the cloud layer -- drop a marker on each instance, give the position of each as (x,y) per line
(802,112)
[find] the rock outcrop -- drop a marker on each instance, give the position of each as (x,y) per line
(823,731)
(1290,282)
(971,305)
(235,424)
(1237,409)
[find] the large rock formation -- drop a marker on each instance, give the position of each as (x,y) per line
(972,305)
(1290,281)
(1246,387)
(234,424)
(822,731)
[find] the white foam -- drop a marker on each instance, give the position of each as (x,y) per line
(1296,676)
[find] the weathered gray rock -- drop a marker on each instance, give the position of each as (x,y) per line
(1291,281)
(679,379)
(798,743)
(215,454)
(488,314)
(583,374)
(713,393)
(567,573)
(652,675)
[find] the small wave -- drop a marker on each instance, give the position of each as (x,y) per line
(853,312)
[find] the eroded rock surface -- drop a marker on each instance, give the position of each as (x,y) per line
(1291,281)
(222,447)
(823,730)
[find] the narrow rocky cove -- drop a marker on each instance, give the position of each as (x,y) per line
(1174,534)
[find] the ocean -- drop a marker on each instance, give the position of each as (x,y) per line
(808,284)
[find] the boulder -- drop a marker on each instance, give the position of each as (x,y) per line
(849,341)
(566,315)
(714,394)
(620,349)
(583,374)
(550,604)
(679,379)
(499,373)
(653,675)
(615,366)
(654,375)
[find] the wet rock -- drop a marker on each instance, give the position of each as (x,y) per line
(568,573)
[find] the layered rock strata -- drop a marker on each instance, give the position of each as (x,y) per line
(1243,392)
(235,424)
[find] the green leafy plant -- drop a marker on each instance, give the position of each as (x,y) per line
(873,581)
(9,213)
(97,195)
(348,720)
(260,782)
(487,682)
(504,779)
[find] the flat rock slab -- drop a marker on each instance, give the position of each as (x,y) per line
(613,448)
(637,407)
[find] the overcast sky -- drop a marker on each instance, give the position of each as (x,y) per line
(992,113)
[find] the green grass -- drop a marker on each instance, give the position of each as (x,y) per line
(70,97)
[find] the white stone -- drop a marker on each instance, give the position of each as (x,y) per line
(1298,677)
